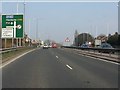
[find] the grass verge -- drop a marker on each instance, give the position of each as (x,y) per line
(12,54)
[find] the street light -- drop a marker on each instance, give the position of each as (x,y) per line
(37,28)
(17,6)
(118,7)
(24,15)
(24,20)
(17,13)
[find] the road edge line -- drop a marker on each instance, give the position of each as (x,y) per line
(14,59)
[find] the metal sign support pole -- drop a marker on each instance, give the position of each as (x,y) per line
(5,42)
(12,42)
(17,42)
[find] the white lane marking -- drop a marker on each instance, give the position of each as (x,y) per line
(8,62)
(69,66)
(102,59)
(56,56)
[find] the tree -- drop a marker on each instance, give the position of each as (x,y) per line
(114,40)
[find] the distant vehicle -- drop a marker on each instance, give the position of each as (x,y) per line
(106,46)
(54,45)
(50,46)
(45,47)
(84,46)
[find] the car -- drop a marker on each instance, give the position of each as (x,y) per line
(106,46)
(84,46)
(45,47)
(54,45)
(50,46)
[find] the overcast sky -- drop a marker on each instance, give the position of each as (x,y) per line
(58,20)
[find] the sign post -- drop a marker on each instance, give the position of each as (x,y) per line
(12,23)
(12,27)
(67,41)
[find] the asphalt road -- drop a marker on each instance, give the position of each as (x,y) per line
(57,68)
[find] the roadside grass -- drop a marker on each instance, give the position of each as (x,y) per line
(12,54)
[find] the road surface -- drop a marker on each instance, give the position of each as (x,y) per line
(58,68)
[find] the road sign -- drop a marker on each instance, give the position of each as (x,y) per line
(67,40)
(12,26)
(7,33)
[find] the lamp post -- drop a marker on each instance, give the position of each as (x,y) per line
(37,28)
(17,13)
(96,31)
(118,9)
(17,7)
(29,32)
(24,24)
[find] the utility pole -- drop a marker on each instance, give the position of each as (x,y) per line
(37,28)
(118,9)
(107,30)
(17,7)
(24,24)
(17,13)
(29,32)
(96,31)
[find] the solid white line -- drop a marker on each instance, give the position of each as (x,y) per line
(107,61)
(102,59)
(69,66)
(56,56)
(8,62)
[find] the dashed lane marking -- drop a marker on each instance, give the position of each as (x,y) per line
(69,66)
(57,57)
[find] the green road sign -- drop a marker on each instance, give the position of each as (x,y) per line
(12,26)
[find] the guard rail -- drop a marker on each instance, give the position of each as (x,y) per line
(4,50)
(110,54)
(115,50)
